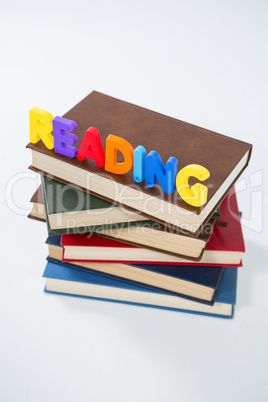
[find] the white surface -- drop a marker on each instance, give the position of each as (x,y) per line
(204,62)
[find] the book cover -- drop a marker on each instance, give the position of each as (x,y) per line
(72,211)
(56,252)
(225,247)
(83,246)
(38,208)
(228,237)
(224,157)
(191,282)
(66,280)
(69,210)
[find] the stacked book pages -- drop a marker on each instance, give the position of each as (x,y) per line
(140,208)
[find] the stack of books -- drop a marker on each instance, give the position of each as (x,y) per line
(140,234)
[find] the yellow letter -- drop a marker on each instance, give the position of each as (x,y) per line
(41,127)
(197,194)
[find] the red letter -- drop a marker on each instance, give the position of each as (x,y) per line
(91,147)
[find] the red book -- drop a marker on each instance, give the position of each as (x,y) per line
(225,247)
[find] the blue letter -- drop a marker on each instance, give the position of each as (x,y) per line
(62,139)
(155,169)
(139,163)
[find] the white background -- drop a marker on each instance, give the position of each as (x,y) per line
(204,62)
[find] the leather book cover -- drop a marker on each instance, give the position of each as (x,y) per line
(37,197)
(168,136)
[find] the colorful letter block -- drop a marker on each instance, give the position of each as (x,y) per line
(139,156)
(91,147)
(150,167)
(114,144)
(40,122)
(155,169)
(63,139)
(197,194)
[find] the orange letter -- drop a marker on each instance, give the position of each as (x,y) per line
(114,143)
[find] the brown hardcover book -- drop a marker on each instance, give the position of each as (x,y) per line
(223,156)
(38,209)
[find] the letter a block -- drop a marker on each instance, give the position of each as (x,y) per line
(91,147)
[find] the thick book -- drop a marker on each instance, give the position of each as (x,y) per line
(224,157)
(191,282)
(66,280)
(38,207)
(140,256)
(151,238)
(225,247)
(162,238)
(69,210)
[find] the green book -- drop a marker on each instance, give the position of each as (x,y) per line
(69,210)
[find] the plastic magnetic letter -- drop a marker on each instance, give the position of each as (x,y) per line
(41,127)
(114,144)
(63,139)
(155,169)
(197,194)
(139,156)
(91,147)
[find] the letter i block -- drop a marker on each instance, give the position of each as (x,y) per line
(139,155)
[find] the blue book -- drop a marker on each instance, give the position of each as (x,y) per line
(66,280)
(198,283)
